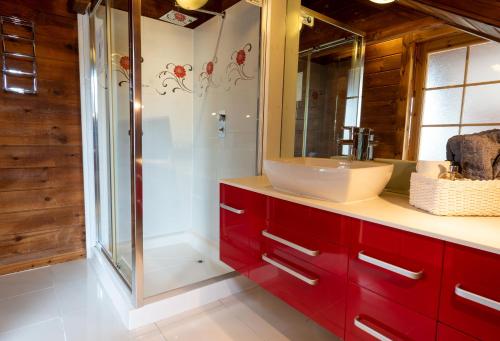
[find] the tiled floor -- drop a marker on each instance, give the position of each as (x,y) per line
(67,302)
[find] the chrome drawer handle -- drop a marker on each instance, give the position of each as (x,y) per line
(391,267)
(310,281)
(231,209)
(302,249)
(369,330)
(487,302)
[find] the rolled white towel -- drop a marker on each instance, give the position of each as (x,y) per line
(432,169)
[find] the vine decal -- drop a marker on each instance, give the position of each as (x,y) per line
(206,76)
(235,70)
(175,76)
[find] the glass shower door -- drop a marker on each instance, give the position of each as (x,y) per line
(111,111)
(100,111)
(120,137)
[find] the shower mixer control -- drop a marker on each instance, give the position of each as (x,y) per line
(221,125)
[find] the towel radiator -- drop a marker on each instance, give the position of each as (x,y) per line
(18,49)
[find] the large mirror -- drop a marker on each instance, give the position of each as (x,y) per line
(425,77)
(323,78)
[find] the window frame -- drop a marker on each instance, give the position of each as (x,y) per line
(422,50)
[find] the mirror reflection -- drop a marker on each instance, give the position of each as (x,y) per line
(423,81)
(328,68)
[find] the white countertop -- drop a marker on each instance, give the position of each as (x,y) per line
(394,210)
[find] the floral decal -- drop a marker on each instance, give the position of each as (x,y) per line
(206,76)
(235,70)
(121,65)
(178,18)
(175,75)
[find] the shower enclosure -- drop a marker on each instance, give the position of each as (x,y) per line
(175,107)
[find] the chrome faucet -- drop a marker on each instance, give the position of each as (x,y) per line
(361,142)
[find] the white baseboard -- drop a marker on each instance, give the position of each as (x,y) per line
(193,299)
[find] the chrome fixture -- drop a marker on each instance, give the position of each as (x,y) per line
(26,39)
(361,142)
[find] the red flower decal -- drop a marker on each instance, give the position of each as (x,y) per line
(240,57)
(210,68)
(125,62)
(180,71)
(179,17)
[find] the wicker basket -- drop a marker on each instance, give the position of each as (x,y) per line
(455,198)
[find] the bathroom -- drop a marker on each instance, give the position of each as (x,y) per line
(253,169)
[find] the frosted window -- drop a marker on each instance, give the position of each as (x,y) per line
(477,129)
(484,63)
(442,106)
(446,68)
(482,104)
(433,142)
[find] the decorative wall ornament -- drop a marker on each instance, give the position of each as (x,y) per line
(121,64)
(206,76)
(206,79)
(235,70)
(177,18)
(175,75)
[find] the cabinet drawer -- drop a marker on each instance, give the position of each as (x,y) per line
(242,217)
(315,236)
(445,333)
(371,317)
(401,266)
(311,290)
(470,296)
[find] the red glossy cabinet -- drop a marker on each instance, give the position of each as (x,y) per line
(361,280)
(445,333)
(371,317)
(401,266)
(470,296)
(312,290)
(305,261)
(317,237)
(242,217)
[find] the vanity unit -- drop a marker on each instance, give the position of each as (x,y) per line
(377,269)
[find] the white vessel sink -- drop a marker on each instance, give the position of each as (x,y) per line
(329,179)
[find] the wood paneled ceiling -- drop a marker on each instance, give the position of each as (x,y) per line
(377,21)
(157,8)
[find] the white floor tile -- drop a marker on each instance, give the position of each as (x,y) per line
(72,271)
(25,282)
(93,323)
(51,330)
(216,324)
(23,310)
(76,308)
(80,294)
(272,319)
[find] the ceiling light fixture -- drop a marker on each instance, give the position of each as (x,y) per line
(192,4)
(382,2)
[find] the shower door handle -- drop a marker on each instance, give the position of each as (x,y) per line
(231,209)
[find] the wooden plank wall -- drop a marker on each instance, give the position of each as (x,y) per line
(381,91)
(41,186)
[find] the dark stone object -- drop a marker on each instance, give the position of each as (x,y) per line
(478,155)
